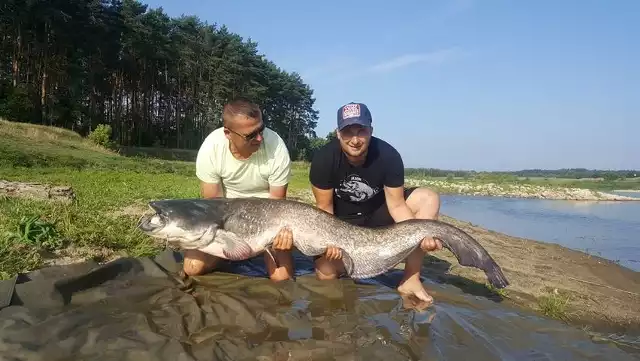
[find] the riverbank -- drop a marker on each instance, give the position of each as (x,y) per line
(516,190)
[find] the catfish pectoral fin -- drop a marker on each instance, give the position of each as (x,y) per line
(235,249)
(348,262)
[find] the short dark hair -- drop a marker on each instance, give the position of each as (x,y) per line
(243,106)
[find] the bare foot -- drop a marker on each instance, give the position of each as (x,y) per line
(410,302)
(414,295)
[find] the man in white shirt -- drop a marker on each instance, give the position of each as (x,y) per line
(243,158)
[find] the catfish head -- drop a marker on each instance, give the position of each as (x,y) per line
(186,223)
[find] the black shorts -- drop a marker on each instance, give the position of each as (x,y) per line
(380,217)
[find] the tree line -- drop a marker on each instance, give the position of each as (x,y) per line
(157,81)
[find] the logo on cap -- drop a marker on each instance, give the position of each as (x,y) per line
(351,111)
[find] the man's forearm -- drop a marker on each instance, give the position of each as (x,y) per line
(210,195)
(278,192)
(325,207)
(276,196)
(323,198)
(401,212)
(210,190)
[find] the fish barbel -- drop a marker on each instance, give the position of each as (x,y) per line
(241,228)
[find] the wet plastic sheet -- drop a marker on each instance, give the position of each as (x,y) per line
(140,309)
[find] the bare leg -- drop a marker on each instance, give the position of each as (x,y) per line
(425,204)
(328,269)
(285,260)
(198,263)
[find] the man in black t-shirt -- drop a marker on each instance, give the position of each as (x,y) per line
(360,179)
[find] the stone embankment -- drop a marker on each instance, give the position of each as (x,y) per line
(517,190)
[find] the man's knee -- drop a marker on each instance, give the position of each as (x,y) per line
(325,269)
(424,202)
(193,267)
(325,275)
(197,263)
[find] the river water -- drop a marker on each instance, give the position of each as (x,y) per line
(607,229)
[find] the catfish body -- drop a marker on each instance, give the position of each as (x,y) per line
(240,228)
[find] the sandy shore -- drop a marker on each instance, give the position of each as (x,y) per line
(598,293)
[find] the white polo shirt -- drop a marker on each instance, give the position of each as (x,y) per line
(269,165)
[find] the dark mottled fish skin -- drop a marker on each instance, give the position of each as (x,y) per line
(367,252)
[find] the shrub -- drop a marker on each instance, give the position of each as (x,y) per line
(101,135)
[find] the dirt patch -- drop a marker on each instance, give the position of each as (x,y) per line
(598,293)
(36,190)
(78,254)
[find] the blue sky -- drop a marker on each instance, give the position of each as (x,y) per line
(462,84)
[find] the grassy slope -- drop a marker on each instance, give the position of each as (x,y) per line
(113,190)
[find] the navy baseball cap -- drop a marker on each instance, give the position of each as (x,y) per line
(354,113)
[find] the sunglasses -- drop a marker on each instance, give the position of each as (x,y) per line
(251,136)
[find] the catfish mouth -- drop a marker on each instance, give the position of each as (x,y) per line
(151,223)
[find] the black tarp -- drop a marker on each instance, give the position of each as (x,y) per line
(142,309)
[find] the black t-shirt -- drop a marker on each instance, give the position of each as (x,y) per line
(357,191)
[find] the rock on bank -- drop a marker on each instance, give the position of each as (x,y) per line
(517,190)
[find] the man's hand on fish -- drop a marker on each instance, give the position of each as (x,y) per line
(431,244)
(333,253)
(283,241)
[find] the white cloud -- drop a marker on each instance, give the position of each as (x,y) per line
(341,69)
(435,57)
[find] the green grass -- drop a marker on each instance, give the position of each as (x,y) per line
(105,184)
(96,219)
(554,305)
(160,153)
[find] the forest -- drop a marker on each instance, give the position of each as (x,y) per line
(156,80)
